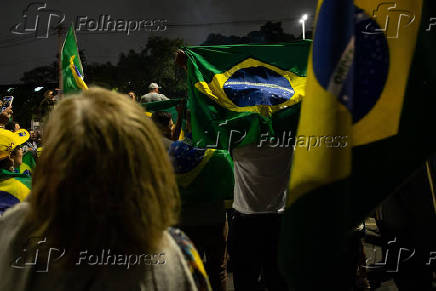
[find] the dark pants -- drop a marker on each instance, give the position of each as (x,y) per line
(211,240)
(253,243)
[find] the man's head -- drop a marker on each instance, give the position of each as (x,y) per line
(49,94)
(10,149)
(132,95)
(164,122)
(154,87)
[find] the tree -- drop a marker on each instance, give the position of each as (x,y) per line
(270,32)
(136,70)
(40,75)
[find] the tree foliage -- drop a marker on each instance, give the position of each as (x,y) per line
(136,70)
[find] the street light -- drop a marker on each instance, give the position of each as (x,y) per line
(303,22)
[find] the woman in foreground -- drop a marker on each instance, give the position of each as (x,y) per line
(103,198)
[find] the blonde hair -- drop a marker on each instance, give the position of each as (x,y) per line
(104,179)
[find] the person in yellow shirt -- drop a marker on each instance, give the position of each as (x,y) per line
(14,187)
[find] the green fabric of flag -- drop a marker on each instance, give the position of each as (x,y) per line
(72,70)
(161,105)
(203,175)
(29,162)
(239,92)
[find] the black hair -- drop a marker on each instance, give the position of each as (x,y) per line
(10,126)
(161,117)
(162,120)
(6,164)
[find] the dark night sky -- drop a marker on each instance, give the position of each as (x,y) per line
(191,20)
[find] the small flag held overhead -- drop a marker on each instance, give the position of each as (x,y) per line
(72,70)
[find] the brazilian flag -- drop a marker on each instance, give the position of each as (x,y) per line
(14,188)
(72,70)
(239,92)
(28,164)
(161,105)
(372,82)
(166,105)
(197,169)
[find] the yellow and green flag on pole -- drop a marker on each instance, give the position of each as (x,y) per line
(72,70)
(371,81)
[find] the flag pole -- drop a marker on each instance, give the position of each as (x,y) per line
(60,30)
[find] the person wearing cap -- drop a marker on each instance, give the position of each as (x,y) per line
(153,95)
(14,187)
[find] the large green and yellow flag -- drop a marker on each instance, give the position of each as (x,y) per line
(372,82)
(72,70)
(239,92)
(14,188)
(197,170)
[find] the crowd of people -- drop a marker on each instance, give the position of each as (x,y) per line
(103,211)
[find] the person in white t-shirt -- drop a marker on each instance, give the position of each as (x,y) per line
(261,179)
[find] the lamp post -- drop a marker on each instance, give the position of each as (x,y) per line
(303,24)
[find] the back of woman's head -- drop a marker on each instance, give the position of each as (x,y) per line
(104,179)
